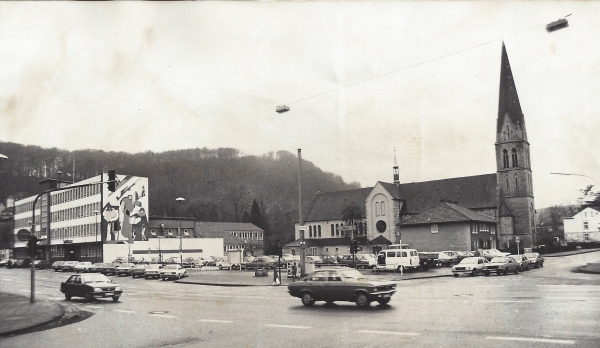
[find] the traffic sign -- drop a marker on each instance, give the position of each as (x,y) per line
(303,228)
(348,228)
(517,239)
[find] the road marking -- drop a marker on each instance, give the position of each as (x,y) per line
(288,326)
(163,315)
(42,278)
(7,279)
(123,311)
(24,290)
(506,301)
(216,321)
(389,332)
(574,298)
(95,307)
(56,298)
(526,339)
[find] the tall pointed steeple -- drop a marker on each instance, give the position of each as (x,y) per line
(511,121)
(396,173)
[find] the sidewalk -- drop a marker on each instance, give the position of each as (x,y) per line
(571,252)
(591,268)
(17,314)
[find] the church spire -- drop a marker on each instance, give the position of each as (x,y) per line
(396,173)
(511,121)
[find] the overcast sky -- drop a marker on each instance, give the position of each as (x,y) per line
(360,78)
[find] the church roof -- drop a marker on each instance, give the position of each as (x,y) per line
(329,205)
(445,212)
(472,192)
(380,240)
(509,99)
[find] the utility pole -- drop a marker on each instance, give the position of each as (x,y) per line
(300,212)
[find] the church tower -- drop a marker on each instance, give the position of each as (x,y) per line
(513,174)
(396,172)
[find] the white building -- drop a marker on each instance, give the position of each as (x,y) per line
(583,228)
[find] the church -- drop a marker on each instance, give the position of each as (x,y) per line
(494,210)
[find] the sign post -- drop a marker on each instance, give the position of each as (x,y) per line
(517,239)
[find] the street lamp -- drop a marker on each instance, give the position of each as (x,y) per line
(589,177)
(159,252)
(180,200)
(96,212)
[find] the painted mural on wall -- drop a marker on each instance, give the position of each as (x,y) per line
(126,210)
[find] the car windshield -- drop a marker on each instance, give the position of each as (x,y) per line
(84,264)
(469,261)
(94,278)
(171,267)
(154,266)
(500,259)
(352,274)
(126,264)
(139,266)
(532,255)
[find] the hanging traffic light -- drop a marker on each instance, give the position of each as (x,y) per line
(279,249)
(112,180)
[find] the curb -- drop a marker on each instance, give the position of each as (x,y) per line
(25,329)
(578,253)
(581,269)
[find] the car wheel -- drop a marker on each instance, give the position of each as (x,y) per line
(163,279)
(517,270)
(146,277)
(308,299)
(505,271)
(542,264)
(456,276)
(115,298)
(89,297)
(401,268)
(67,296)
(220,266)
(362,300)
(473,273)
(384,301)
(487,274)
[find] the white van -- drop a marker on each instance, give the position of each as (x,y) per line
(396,259)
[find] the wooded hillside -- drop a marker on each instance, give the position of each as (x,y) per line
(218,184)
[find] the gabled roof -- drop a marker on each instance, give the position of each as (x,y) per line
(392,189)
(380,240)
(446,212)
(472,192)
(329,205)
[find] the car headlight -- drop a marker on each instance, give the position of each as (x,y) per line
(376,289)
(118,288)
(97,289)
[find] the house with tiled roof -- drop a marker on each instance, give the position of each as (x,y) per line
(236,235)
(482,211)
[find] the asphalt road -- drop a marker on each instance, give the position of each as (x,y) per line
(547,307)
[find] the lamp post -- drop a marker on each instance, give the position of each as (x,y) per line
(589,177)
(96,212)
(159,252)
(180,200)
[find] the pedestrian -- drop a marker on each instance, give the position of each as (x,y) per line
(294,270)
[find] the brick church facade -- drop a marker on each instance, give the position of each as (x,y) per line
(466,213)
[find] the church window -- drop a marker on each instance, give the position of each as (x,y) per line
(377,209)
(319,228)
(505,158)
(507,187)
(516,183)
(337,230)
(507,133)
(382,208)
(515,163)
(332,230)
(309,231)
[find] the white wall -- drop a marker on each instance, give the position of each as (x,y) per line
(575,229)
(169,247)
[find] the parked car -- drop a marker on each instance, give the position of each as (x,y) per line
(535,260)
(139,270)
(124,269)
(68,266)
(491,253)
(353,261)
(153,271)
(523,262)
(211,261)
(110,268)
(4,262)
(190,262)
(90,286)
(470,266)
(312,258)
(83,267)
(447,258)
(461,255)
(501,265)
(341,284)
(172,261)
(223,264)
(56,265)
(41,264)
(173,272)
(98,267)
(260,262)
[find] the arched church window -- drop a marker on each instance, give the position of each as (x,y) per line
(310,231)
(377,209)
(337,230)
(515,163)
(319,228)
(382,208)
(507,133)
(505,157)
(332,230)
(516,183)
(507,186)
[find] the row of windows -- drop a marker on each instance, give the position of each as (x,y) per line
(379,208)
(477,227)
(86,250)
(248,235)
(24,207)
(70,232)
(315,230)
(75,213)
(516,183)
(514,157)
(76,193)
